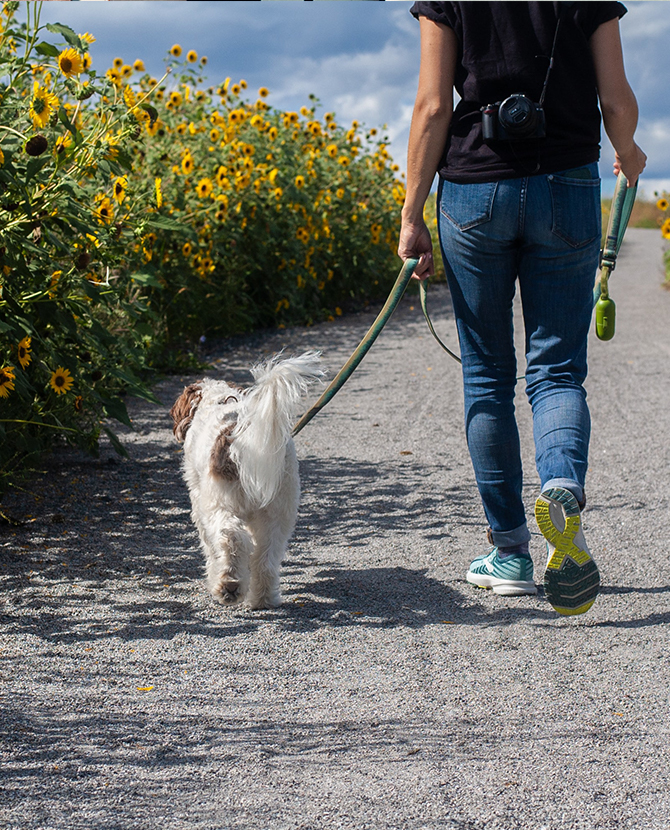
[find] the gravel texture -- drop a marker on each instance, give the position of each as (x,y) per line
(386,692)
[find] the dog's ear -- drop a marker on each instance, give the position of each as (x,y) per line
(184,409)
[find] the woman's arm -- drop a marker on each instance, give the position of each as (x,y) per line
(617,100)
(433,109)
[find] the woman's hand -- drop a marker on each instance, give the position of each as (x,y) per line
(631,164)
(415,242)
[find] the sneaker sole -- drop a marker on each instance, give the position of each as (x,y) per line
(503,587)
(571,579)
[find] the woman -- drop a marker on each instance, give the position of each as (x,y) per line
(519,198)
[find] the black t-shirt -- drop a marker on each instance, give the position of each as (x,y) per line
(504,48)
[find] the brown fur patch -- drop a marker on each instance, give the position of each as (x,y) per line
(221,464)
(183,410)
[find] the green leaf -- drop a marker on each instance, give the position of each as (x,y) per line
(165,223)
(47,49)
(146,279)
(118,446)
(116,408)
(152,112)
(35,165)
(66,31)
(62,115)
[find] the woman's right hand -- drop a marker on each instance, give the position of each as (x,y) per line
(415,241)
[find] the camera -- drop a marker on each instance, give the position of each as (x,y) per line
(517,118)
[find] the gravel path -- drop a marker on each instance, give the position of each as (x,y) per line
(386,692)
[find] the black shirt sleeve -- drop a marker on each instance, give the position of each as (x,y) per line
(439,12)
(588,15)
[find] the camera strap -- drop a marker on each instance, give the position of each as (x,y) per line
(564,8)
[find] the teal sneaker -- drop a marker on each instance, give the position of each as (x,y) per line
(571,579)
(509,577)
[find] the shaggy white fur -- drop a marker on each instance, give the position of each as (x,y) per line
(241,470)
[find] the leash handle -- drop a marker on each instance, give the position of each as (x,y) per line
(622,205)
(362,349)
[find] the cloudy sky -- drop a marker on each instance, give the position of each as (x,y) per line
(360,59)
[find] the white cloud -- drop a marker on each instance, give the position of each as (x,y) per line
(372,87)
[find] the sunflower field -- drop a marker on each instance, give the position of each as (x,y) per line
(139,214)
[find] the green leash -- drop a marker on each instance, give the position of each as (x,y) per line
(362,349)
(622,204)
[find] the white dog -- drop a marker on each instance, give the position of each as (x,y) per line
(241,470)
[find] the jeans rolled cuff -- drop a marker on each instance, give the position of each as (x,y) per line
(568,484)
(509,538)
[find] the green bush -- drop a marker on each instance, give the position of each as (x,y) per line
(71,323)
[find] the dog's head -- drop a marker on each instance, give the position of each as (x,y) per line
(184,409)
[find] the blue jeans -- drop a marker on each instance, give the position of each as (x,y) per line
(544,231)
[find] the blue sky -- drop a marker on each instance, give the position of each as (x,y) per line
(360,59)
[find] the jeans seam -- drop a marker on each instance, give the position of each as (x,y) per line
(522,206)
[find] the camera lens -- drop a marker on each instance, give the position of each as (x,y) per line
(518,115)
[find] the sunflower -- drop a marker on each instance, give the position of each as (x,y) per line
(299,181)
(61,381)
(119,189)
(42,106)
(78,403)
(175,51)
(203,60)
(138,65)
(6,381)
(70,63)
(344,161)
(235,89)
(126,71)
(175,98)
(186,249)
(187,164)
(24,352)
(662,204)
(159,194)
(191,56)
(214,134)
(53,283)
(114,76)
(340,192)
(104,211)
(272,133)
(87,37)
(665,229)
(332,150)
(2,158)
(117,63)
(263,92)
(204,188)
(221,175)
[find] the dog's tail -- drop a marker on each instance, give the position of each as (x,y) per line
(267,413)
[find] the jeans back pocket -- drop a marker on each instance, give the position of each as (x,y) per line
(467,205)
(576,214)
